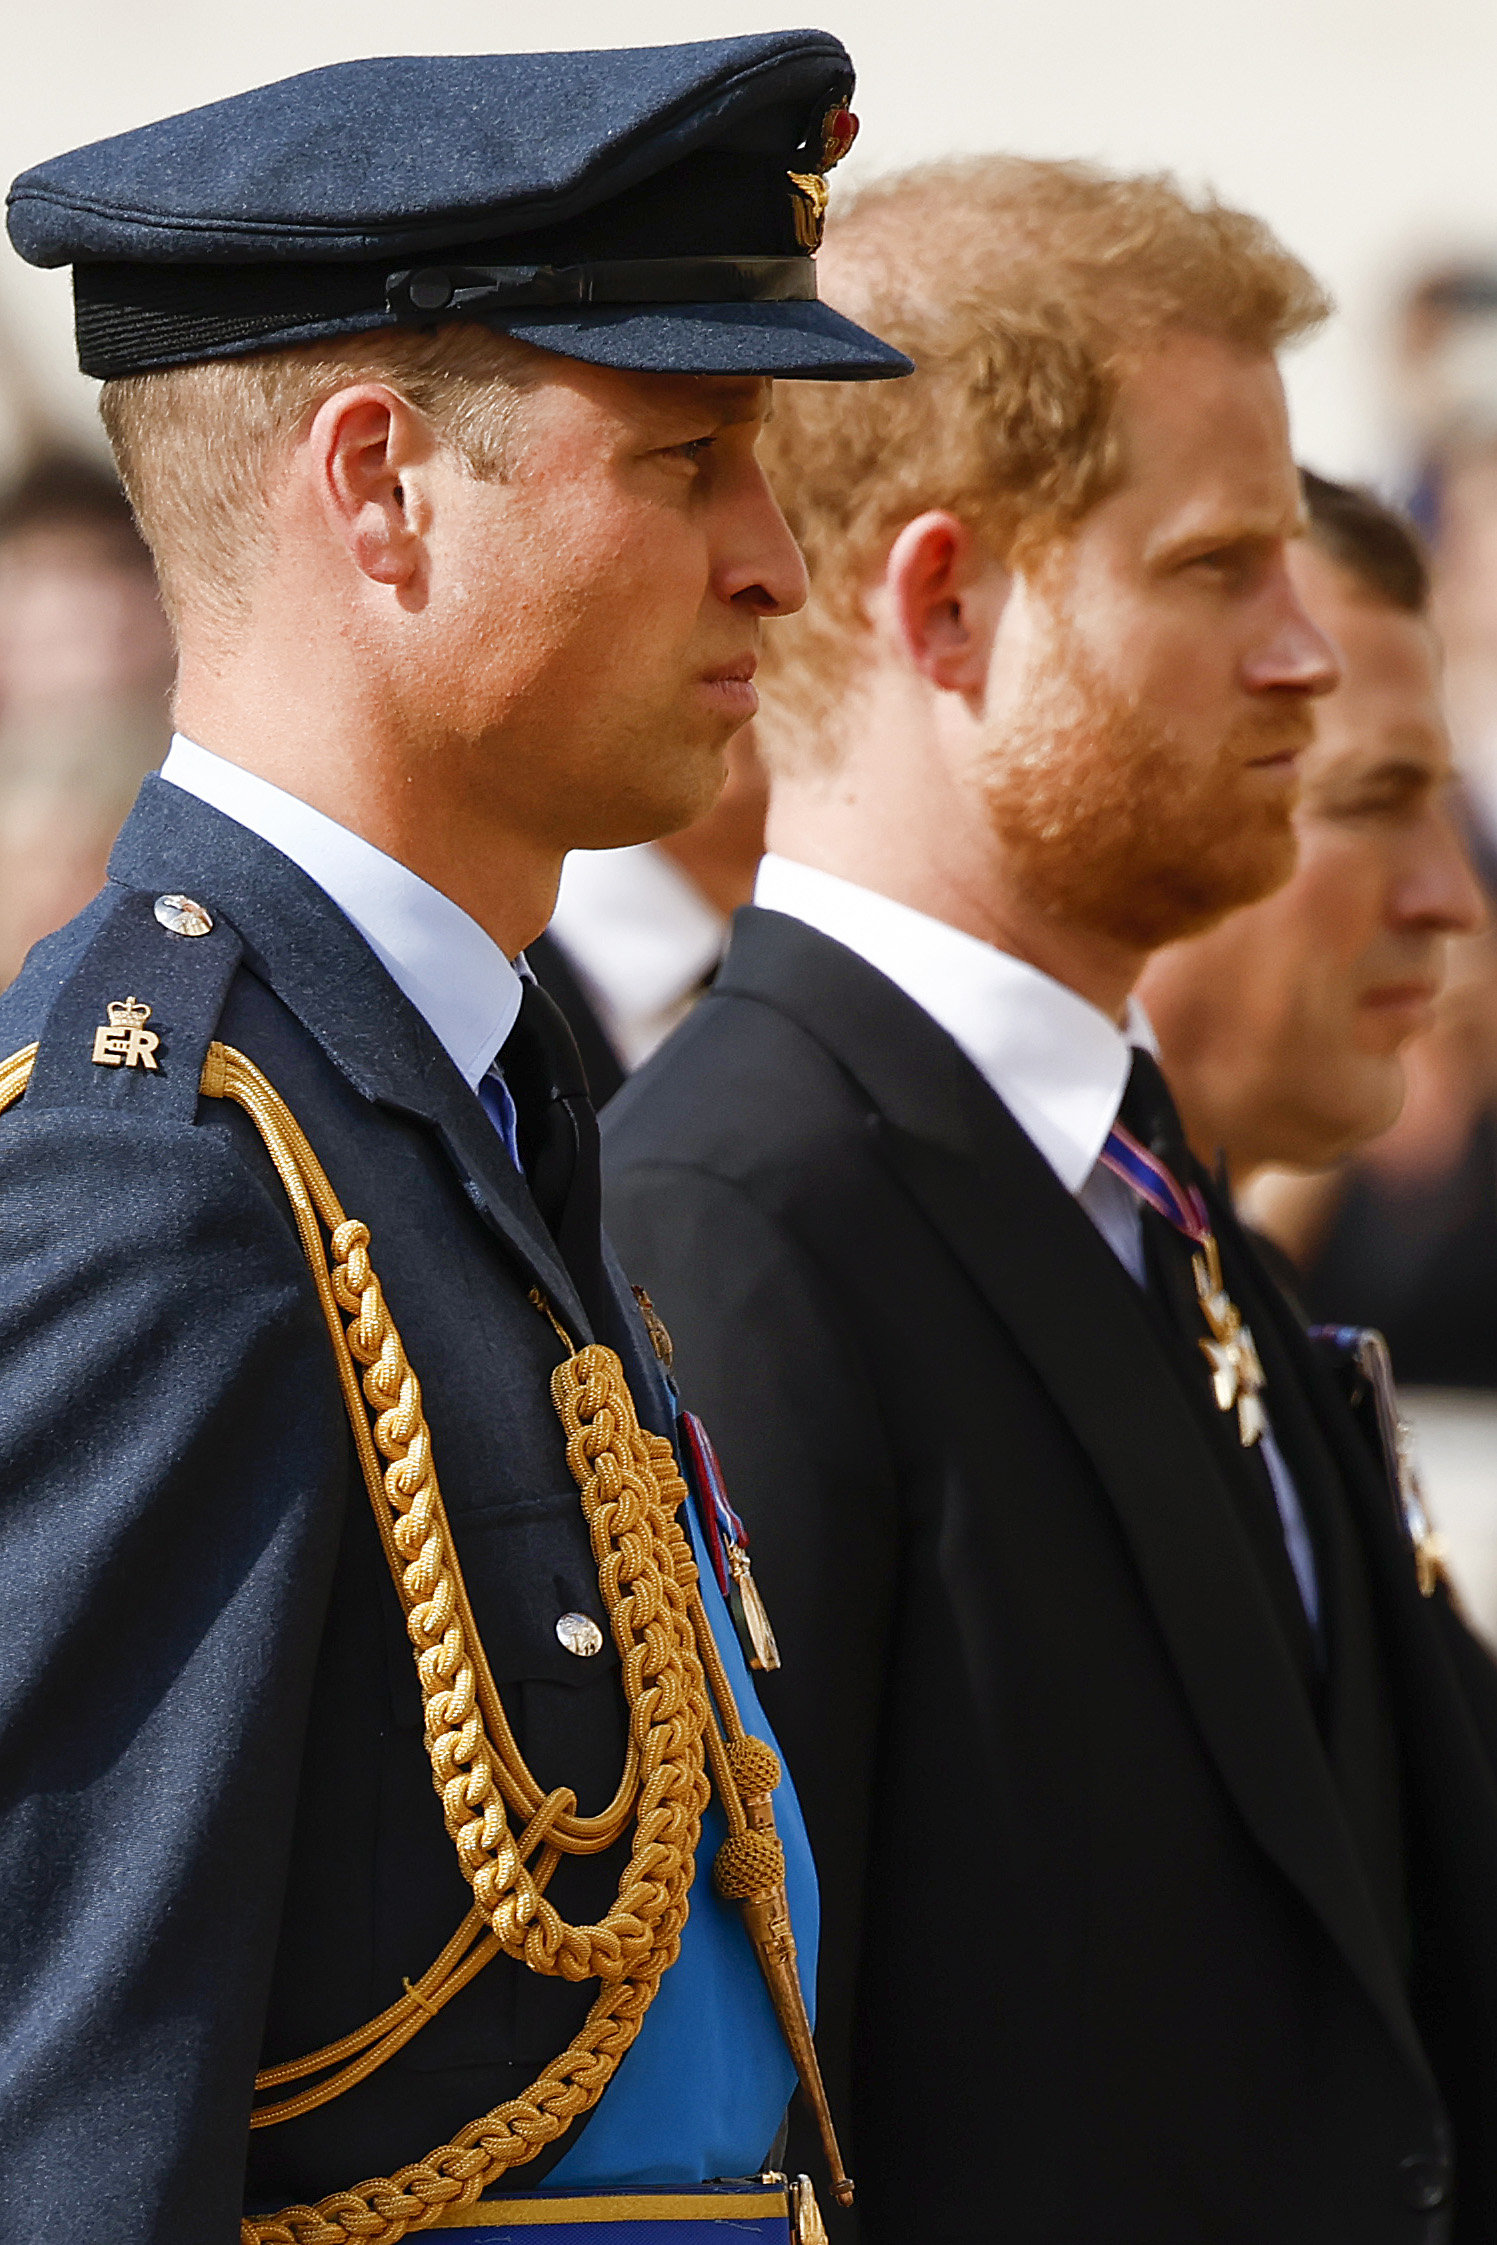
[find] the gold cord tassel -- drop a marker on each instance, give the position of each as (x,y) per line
(750,1870)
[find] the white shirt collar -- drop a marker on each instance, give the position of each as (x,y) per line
(1057,1063)
(642,936)
(454,974)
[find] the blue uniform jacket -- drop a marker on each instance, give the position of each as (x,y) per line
(219,1842)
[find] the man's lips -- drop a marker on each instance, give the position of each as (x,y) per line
(1280,742)
(1398,997)
(1281,753)
(731,686)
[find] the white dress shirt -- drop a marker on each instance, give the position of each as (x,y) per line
(1059,1065)
(454,974)
(642,940)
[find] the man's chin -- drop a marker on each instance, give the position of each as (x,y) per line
(1150,907)
(664,801)
(1352,1102)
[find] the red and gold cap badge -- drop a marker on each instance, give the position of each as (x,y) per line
(839,129)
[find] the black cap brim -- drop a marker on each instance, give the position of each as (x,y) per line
(793,341)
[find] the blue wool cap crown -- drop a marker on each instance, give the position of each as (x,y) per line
(655,208)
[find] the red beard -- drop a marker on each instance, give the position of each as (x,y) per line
(1112,824)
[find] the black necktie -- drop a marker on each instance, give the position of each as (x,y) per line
(557,1130)
(1148,1110)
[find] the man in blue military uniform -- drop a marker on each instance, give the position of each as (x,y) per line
(358,1694)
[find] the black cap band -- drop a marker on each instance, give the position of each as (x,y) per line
(132,319)
(459,291)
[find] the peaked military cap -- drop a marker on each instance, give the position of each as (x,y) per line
(649,207)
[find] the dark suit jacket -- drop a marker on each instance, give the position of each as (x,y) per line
(219,1842)
(1102,1961)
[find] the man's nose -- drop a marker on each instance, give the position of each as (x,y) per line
(1439,891)
(1295,656)
(763,569)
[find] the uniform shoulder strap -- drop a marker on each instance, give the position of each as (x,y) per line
(130,1027)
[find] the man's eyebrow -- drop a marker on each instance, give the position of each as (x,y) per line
(749,407)
(1404,775)
(1245,530)
(707,406)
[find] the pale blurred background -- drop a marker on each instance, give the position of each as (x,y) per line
(1362,129)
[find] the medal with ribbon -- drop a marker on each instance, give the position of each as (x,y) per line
(1236,1374)
(727,1541)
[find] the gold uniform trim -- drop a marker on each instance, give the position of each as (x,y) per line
(551,2213)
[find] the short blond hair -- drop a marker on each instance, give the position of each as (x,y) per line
(197,446)
(1022,290)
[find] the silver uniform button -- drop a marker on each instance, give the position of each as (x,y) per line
(580,1634)
(180,915)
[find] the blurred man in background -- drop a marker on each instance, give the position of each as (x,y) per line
(1143,1779)
(1282,1030)
(1404,1235)
(1287,1032)
(85,668)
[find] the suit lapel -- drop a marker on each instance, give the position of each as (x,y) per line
(1074,1312)
(305,949)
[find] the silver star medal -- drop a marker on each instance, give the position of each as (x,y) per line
(1236,1374)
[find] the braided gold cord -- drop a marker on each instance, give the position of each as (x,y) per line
(15,1075)
(471,1948)
(317,1210)
(648,1581)
(636,1545)
(364,2051)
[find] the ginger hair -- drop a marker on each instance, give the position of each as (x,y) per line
(198,446)
(1023,290)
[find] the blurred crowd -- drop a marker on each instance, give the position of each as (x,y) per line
(85,673)
(1402,1235)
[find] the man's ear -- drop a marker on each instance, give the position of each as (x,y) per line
(945,596)
(363,444)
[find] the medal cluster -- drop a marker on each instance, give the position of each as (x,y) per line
(1236,1373)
